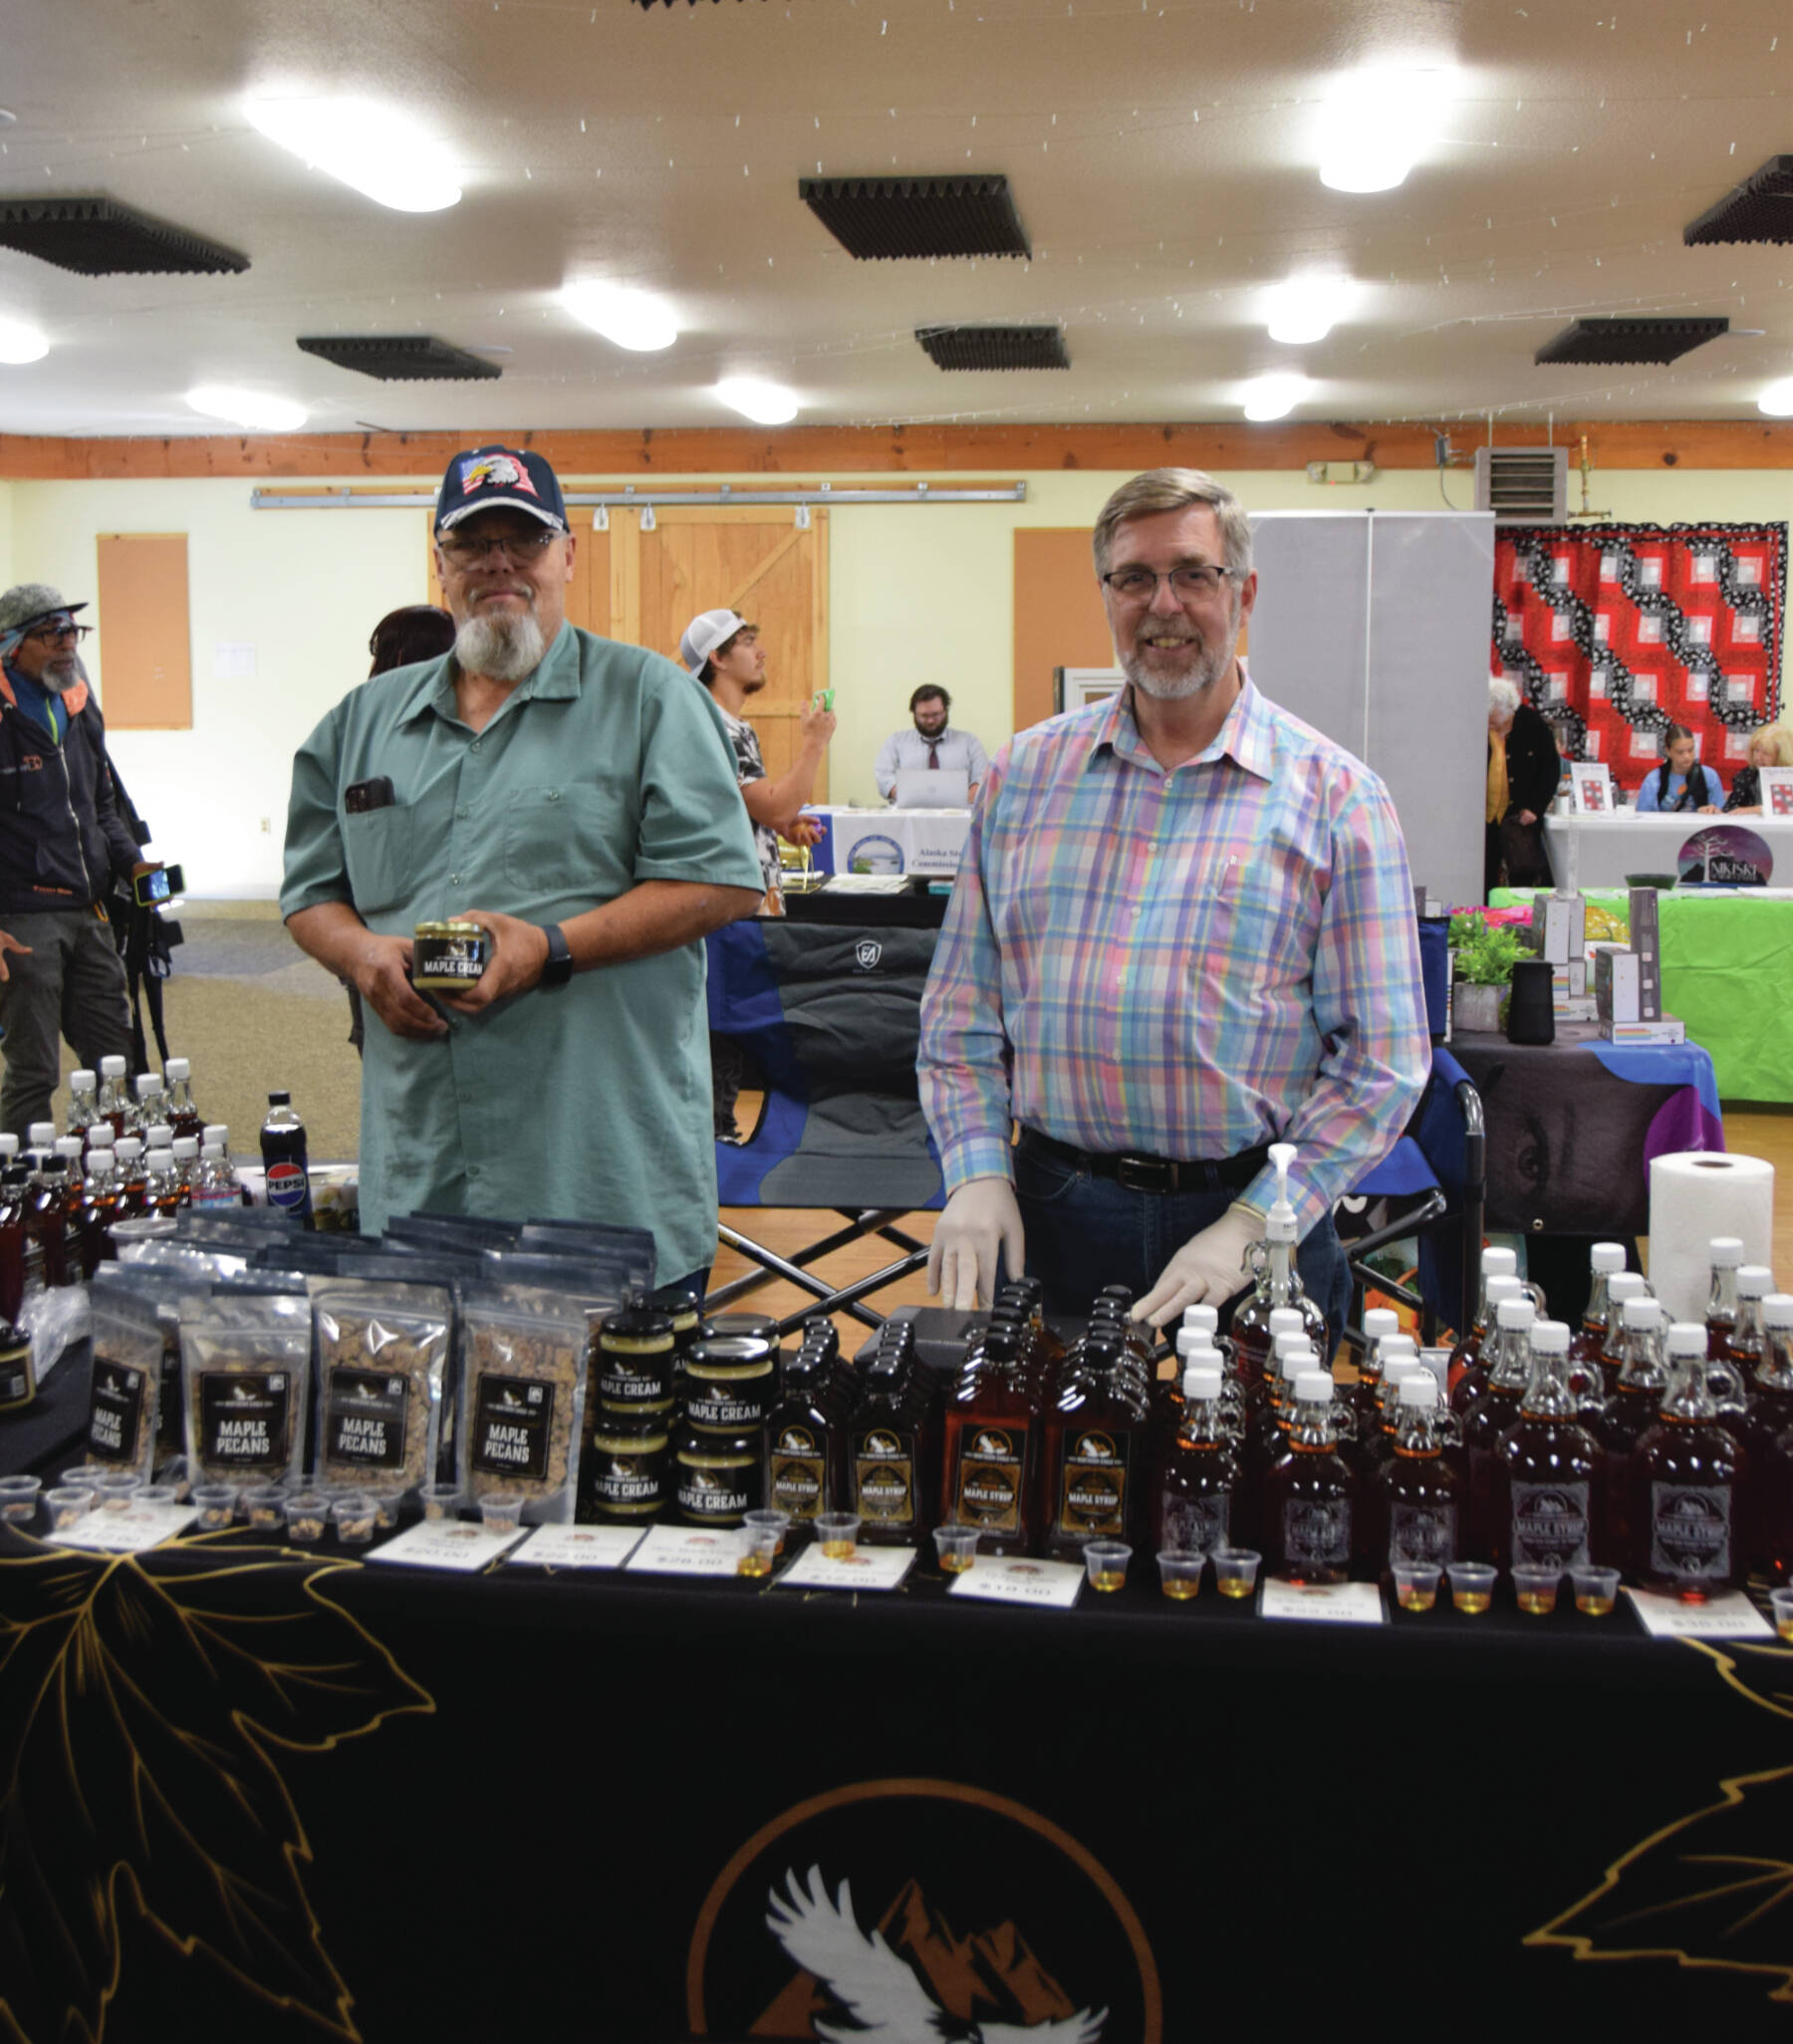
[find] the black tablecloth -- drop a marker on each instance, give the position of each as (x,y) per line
(490,1809)
(916,907)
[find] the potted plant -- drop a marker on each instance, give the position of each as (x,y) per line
(1484,954)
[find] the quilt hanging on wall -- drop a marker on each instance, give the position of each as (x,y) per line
(1617,632)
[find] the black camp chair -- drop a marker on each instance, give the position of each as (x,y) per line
(830,1015)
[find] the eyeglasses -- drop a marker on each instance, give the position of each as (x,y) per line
(464,548)
(50,634)
(1140,584)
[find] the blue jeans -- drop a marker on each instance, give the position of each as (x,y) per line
(1083,1232)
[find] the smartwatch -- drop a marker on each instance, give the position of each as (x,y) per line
(559,968)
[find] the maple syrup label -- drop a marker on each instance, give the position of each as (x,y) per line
(115,1412)
(797,1472)
(365,1424)
(18,1382)
(1422,1533)
(244,1418)
(992,1472)
(513,1420)
(1198,1525)
(884,1478)
(1691,1532)
(1317,1532)
(1550,1524)
(1093,1489)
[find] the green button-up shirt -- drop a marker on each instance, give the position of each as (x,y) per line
(607,767)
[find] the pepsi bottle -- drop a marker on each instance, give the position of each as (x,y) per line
(283,1158)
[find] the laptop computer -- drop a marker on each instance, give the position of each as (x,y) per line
(932,788)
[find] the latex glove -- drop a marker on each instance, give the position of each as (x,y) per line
(982,1221)
(1209,1266)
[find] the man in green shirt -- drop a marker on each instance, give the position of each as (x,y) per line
(590,789)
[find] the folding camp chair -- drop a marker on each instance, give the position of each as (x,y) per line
(1439,1168)
(831,1016)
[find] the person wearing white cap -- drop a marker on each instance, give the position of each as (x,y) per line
(723,652)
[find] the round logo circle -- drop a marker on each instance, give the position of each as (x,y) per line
(1725,856)
(286,1184)
(916,1908)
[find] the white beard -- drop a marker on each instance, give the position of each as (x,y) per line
(504,645)
(60,676)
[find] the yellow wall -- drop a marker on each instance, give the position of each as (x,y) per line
(915,594)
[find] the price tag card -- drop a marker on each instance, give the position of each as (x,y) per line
(462,1545)
(576,1547)
(125,1532)
(866,1568)
(1730,1616)
(685,1551)
(1011,1579)
(1328,1604)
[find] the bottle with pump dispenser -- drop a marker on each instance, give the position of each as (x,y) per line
(1278,1281)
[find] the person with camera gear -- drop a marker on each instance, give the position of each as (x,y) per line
(62,846)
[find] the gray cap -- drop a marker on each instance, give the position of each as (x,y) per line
(708,630)
(26,602)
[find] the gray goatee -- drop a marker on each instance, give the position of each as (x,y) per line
(507,646)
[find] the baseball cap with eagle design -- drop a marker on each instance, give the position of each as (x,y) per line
(492,477)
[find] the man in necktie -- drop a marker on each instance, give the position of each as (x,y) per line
(929,741)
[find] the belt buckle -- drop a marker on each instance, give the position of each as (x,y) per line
(1144,1174)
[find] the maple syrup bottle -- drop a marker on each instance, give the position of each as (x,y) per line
(1725,1253)
(186,1167)
(133,1177)
(992,1446)
(1196,1490)
(1606,1260)
(70,1149)
(1621,1286)
(1417,1496)
(806,1444)
(1278,1281)
(148,1107)
(1491,1412)
(1095,1453)
(1548,1467)
(47,1226)
(184,1116)
(1746,1341)
(98,1209)
(161,1184)
(1495,1263)
(83,1109)
(1378,1444)
(1687,1484)
(1467,1380)
(15,1181)
(1631,1412)
(1310,1495)
(1767,1439)
(1364,1397)
(114,1097)
(885,1454)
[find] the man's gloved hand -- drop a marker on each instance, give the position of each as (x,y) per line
(982,1221)
(1209,1266)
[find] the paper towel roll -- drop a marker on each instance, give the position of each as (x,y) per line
(1696,1194)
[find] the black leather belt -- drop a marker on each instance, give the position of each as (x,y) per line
(1153,1173)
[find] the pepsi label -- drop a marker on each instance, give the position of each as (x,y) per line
(289,1187)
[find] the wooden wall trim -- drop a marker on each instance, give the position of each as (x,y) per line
(876,450)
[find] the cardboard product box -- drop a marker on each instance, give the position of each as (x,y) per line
(1564,922)
(1570,980)
(1617,977)
(1647,946)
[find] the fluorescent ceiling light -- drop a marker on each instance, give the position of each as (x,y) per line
(1377,122)
(1274,397)
(256,410)
(21,343)
(1778,401)
(1307,309)
(764,403)
(378,152)
(632,319)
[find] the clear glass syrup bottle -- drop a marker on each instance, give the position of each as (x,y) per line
(1495,1263)
(1491,1412)
(1547,1467)
(1417,1496)
(114,1097)
(1197,1485)
(1725,1256)
(1310,1496)
(1767,1433)
(1689,1483)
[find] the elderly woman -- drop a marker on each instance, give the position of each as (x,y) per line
(1522,782)
(1770,745)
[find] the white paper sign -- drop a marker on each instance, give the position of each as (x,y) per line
(1326,1604)
(1730,1616)
(459,1544)
(1591,789)
(125,1532)
(576,1547)
(234,660)
(685,1551)
(1011,1579)
(866,1568)
(1778,790)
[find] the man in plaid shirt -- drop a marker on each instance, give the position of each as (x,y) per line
(1182,929)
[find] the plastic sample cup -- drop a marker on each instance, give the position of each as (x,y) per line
(1105,1563)
(217,1506)
(355,1519)
(1417,1585)
(957,1548)
(1597,1591)
(839,1534)
(386,1506)
(156,1495)
(441,1500)
(116,1492)
(85,1473)
(307,1516)
(1472,1585)
(759,1546)
(1781,1604)
(264,1506)
(68,1504)
(769,1520)
(501,1511)
(1180,1571)
(1535,1590)
(19,1498)
(1236,1570)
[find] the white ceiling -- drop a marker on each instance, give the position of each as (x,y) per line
(665,148)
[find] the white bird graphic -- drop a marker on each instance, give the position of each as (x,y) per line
(880,1991)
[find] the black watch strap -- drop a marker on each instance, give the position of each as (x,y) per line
(559,968)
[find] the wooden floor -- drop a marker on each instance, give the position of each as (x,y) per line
(1764,1131)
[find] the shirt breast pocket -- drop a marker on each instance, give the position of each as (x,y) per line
(376,849)
(559,840)
(1264,924)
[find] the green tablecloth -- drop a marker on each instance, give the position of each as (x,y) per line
(1727,971)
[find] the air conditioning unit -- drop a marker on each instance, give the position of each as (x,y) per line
(1524,485)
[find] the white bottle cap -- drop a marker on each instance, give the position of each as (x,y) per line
(99,1158)
(43,1134)
(216,1132)
(1203,1382)
(1516,1312)
(1286,1320)
(1505,1288)
(1725,1251)
(148,1083)
(161,1160)
(1499,1264)
(1314,1387)
(69,1146)
(1400,1367)
(9,1144)
(1550,1338)
(1641,1312)
(129,1149)
(1396,1346)
(1204,1318)
(1754,1281)
(1291,1344)
(177,1068)
(187,1146)
(210,1153)
(112,1068)
(1607,1256)
(1627,1284)
(1379,1322)
(1418,1388)
(158,1136)
(82,1081)
(1777,1310)
(1686,1338)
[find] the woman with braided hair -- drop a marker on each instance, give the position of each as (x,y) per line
(1680,782)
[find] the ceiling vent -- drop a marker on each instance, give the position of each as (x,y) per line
(1630,340)
(99,239)
(1524,485)
(908,218)
(401,358)
(994,347)
(1759,209)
